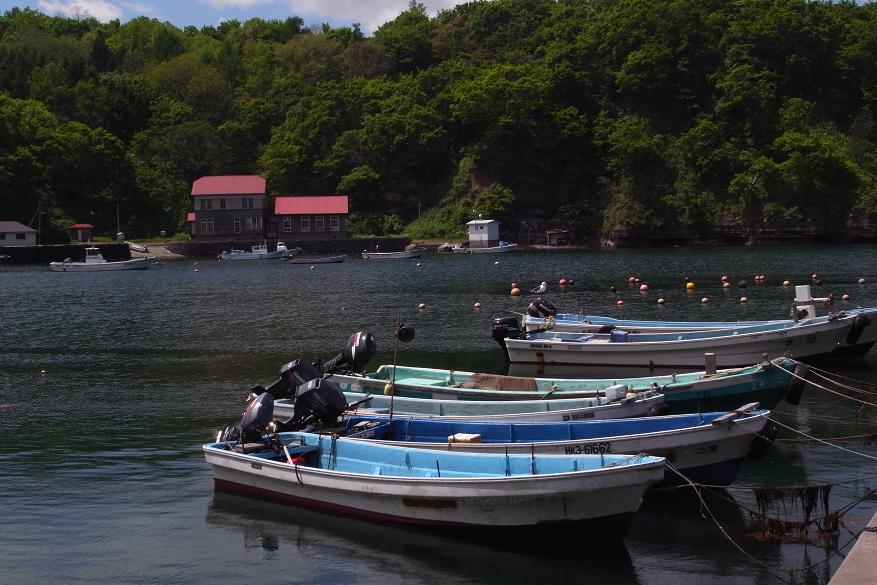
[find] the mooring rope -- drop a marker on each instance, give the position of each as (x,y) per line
(834,377)
(818,440)
(821,387)
(773,571)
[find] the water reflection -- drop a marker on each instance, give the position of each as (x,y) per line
(448,556)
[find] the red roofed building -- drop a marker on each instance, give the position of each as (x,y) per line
(311,217)
(80,232)
(229,206)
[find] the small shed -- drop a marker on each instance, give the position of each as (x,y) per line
(557,237)
(80,232)
(483,233)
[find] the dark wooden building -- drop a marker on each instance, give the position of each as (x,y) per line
(309,217)
(229,207)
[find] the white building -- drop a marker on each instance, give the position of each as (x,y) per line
(13,233)
(483,233)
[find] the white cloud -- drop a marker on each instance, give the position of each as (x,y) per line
(139,8)
(369,13)
(99,9)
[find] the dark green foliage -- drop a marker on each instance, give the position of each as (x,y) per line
(608,116)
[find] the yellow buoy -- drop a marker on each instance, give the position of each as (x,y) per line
(388,389)
(689,285)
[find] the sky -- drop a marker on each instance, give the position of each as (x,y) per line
(370,14)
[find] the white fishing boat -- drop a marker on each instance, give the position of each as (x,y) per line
(95,262)
(707,448)
(530,411)
(257,252)
(843,333)
(415,253)
(428,487)
(499,249)
(142,248)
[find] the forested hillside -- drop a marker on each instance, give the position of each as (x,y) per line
(611,116)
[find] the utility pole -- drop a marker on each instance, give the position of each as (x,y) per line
(39,223)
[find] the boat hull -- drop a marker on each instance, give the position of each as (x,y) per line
(766,384)
(731,350)
(496,411)
(705,453)
(392,255)
(489,250)
(315,259)
(134,264)
(495,501)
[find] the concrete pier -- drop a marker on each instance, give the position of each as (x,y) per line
(860,566)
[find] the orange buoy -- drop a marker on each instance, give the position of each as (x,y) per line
(515,292)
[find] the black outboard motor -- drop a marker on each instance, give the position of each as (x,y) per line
(254,422)
(320,401)
(542,309)
(292,375)
(505,327)
(361,348)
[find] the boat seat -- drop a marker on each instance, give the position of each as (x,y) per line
(499,382)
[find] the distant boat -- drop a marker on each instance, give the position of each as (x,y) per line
(95,262)
(142,248)
(415,253)
(501,248)
(257,252)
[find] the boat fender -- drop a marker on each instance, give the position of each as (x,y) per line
(859,324)
(660,409)
(763,441)
(796,384)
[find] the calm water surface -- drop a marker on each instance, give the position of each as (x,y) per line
(110,383)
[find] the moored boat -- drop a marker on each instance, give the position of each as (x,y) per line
(766,383)
(499,249)
(429,487)
(257,252)
(414,253)
(314,259)
(706,448)
(95,262)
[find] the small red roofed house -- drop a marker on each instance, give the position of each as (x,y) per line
(311,217)
(229,207)
(80,232)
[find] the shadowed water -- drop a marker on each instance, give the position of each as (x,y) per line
(110,383)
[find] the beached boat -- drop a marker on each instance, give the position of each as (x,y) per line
(429,487)
(706,448)
(95,262)
(726,389)
(501,248)
(530,411)
(142,248)
(844,333)
(415,253)
(257,252)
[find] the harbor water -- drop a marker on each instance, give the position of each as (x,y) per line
(111,382)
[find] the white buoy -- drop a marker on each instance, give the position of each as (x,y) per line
(477,305)
(743,299)
(845,297)
(704,300)
(619,303)
(496,263)
(644,288)
(787,283)
(419,264)
(660,301)
(861,281)
(421,306)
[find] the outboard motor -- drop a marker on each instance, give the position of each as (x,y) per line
(505,327)
(254,422)
(319,402)
(361,348)
(292,375)
(542,309)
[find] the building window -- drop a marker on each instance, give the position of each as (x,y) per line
(254,224)
(305,223)
(287,223)
(206,204)
(334,224)
(2,236)
(222,203)
(207,226)
(20,236)
(237,225)
(248,203)
(319,225)
(202,203)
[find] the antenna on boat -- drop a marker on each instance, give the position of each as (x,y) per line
(404,333)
